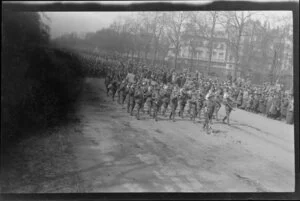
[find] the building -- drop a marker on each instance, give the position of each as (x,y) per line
(194,54)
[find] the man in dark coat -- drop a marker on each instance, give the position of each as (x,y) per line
(290,111)
(284,106)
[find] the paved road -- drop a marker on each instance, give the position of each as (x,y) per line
(114,152)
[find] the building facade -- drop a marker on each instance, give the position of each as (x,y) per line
(194,54)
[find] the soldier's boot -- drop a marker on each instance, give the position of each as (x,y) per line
(194,116)
(173,116)
(128,107)
(143,109)
(153,113)
(164,111)
(131,111)
(228,120)
(217,116)
(123,101)
(156,118)
(119,99)
(170,116)
(224,119)
(138,114)
(208,129)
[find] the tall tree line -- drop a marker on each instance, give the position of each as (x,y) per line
(156,35)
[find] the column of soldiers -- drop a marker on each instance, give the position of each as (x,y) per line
(156,91)
(159,90)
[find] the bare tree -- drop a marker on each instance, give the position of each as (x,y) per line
(205,26)
(234,23)
(176,22)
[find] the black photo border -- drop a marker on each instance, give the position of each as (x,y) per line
(178,6)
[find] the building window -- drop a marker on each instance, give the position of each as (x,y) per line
(222,47)
(214,53)
(215,45)
(230,58)
(221,55)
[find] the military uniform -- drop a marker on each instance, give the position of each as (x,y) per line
(138,99)
(148,97)
(193,106)
(107,83)
(209,107)
(217,101)
(228,102)
(156,101)
(165,100)
(182,101)
(174,103)
(131,102)
(121,91)
(200,103)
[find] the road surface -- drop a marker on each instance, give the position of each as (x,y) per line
(107,150)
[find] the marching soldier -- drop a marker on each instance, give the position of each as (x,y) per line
(189,96)
(125,93)
(121,91)
(166,99)
(182,101)
(148,97)
(200,102)
(145,89)
(209,107)
(130,101)
(138,99)
(174,102)
(107,82)
(228,102)
(217,103)
(193,105)
(113,87)
(156,98)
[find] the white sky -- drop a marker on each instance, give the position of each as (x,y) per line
(82,22)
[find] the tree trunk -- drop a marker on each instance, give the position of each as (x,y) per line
(155,51)
(211,41)
(237,55)
(176,54)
